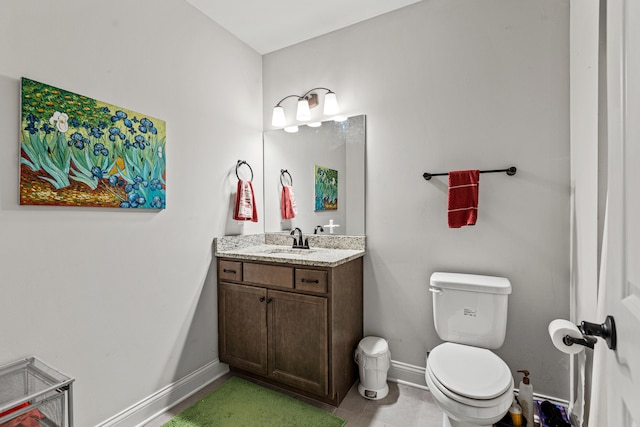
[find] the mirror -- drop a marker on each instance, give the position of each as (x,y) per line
(313,158)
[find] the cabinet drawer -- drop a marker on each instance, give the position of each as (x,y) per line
(230,270)
(311,280)
(272,275)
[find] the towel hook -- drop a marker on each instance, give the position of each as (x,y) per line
(240,163)
(282,172)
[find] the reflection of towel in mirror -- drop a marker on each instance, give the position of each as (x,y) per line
(245,208)
(463,198)
(288,203)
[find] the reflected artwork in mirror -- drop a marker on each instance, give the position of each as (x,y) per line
(336,146)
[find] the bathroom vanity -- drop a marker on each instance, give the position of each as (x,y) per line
(291,317)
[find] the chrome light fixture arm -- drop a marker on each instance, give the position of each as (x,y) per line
(288,96)
(307,93)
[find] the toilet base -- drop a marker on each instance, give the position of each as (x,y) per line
(449,422)
(373,394)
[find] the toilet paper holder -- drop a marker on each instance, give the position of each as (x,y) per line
(606,331)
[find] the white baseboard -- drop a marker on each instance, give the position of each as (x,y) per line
(411,375)
(160,401)
(554,400)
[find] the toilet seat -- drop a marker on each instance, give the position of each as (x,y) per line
(468,373)
(472,414)
(469,384)
(466,401)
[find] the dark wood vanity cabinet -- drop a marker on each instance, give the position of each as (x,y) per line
(242,325)
(293,326)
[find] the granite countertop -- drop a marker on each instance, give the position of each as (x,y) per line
(325,251)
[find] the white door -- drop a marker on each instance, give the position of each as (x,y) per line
(623,258)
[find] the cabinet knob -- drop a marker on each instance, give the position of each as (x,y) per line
(269,300)
(309,281)
(226,270)
(262,299)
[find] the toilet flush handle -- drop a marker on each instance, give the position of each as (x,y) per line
(436,291)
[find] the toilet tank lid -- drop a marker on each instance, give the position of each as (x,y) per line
(471,282)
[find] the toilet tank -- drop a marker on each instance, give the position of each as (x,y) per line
(470,309)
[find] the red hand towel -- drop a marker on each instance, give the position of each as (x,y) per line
(288,203)
(14,409)
(29,419)
(245,208)
(463,198)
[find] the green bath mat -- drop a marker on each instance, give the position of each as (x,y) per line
(240,403)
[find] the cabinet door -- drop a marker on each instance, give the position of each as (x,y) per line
(242,314)
(298,340)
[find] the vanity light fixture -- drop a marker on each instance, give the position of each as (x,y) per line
(303,114)
(331,104)
(305,103)
(278,119)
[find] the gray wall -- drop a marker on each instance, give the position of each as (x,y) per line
(125,301)
(445,85)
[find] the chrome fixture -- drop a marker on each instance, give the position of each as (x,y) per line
(305,103)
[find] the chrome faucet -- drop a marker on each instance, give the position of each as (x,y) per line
(299,243)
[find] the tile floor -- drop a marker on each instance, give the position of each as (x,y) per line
(404,406)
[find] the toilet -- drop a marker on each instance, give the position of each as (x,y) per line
(470,383)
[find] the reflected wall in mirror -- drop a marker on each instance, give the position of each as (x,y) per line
(339,146)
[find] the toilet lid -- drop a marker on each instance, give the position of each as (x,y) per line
(469,371)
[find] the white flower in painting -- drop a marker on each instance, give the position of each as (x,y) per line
(60,120)
(160,152)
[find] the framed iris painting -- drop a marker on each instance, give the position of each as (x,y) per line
(78,151)
(326,188)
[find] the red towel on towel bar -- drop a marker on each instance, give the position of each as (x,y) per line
(288,203)
(245,208)
(462,208)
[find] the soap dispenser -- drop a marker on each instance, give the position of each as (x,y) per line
(525,397)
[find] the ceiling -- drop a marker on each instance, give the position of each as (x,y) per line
(267,26)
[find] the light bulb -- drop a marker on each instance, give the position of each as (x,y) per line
(303,114)
(314,124)
(330,104)
(278,119)
(291,129)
